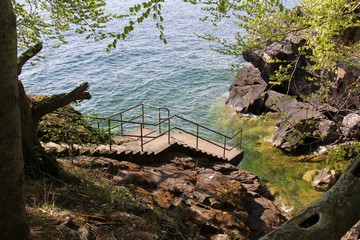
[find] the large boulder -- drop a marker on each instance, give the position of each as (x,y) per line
(306,113)
(269,58)
(246,92)
(299,122)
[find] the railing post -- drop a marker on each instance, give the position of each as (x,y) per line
(159,120)
(121,124)
(197,137)
(240,139)
(169,130)
(141,139)
(109,132)
(224,146)
(143,115)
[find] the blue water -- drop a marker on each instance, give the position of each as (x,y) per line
(185,75)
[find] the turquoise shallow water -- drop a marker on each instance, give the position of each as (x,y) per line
(184,75)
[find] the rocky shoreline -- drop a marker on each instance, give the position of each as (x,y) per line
(313,122)
(214,199)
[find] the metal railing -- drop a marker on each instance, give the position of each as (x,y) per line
(198,127)
(121,121)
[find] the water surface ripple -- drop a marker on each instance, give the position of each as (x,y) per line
(184,75)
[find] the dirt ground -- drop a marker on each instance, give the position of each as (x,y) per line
(85,204)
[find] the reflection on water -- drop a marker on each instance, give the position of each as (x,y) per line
(282,173)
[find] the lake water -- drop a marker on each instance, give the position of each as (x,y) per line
(184,75)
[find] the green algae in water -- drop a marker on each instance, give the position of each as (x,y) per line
(282,173)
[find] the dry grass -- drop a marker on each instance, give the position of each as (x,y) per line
(85,204)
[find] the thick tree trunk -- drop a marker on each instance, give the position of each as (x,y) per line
(37,161)
(331,216)
(13,220)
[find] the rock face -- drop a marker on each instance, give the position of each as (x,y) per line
(287,51)
(215,200)
(246,92)
(314,121)
(351,125)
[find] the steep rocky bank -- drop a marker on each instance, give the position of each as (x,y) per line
(305,118)
(214,200)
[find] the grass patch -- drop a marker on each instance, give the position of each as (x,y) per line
(92,199)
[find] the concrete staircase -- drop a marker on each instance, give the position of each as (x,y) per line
(129,148)
(146,143)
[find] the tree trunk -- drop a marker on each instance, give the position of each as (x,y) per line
(37,161)
(13,220)
(331,216)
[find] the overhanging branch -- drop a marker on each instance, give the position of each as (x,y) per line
(55,102)
(331,216)
(24,57)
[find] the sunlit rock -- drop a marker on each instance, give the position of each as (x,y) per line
(325,179)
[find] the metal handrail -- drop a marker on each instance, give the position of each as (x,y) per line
(131,121)
(213,131)
(161,120)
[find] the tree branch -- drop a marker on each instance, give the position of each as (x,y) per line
(331,216)
(24,57)
(52,103)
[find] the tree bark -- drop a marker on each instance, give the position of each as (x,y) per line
(37,161)
(52,103)
(331,216)
(13,220)
(31,52)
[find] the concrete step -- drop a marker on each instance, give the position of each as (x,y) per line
(185,140)
(210,148)
(155,143)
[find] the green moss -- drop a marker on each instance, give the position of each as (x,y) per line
(69,126)
(281,172)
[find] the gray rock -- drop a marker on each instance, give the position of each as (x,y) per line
(246,92)
(285,51)
(247,99)
(273,100)
(350,126)
(320,119)
(328,131)
(325,179)
(298,120)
